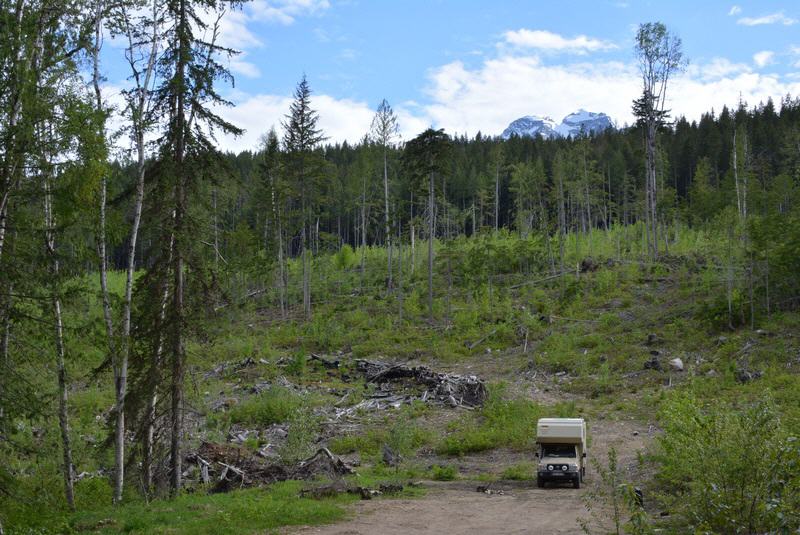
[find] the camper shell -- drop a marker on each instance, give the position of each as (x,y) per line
(561,450)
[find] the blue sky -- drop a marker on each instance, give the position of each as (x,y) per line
(467,65)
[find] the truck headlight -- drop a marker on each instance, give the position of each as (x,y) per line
(564,468)
(550,467)
(575,467)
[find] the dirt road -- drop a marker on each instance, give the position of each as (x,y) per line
(456,508)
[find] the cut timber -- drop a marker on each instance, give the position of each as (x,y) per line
(466,390)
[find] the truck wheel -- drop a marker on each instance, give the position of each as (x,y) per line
(576,483)
(540,482)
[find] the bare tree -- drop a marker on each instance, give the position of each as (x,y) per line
(660,55)
(384,131)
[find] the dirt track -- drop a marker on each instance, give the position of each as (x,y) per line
(456,508)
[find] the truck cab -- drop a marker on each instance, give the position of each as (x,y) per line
(561,450)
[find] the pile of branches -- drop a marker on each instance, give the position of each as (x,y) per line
(230,467)
(452,389)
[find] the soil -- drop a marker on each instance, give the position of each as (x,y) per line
(457,508)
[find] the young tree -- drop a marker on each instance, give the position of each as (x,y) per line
(304,168)
(660,56)
(188,69)
(384,131)
(426,157)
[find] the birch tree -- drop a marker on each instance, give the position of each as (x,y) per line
(660,56)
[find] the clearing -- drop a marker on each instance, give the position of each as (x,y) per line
(456,506)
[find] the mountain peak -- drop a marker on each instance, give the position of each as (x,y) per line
(581,121)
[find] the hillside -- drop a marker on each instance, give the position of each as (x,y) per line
(595,342)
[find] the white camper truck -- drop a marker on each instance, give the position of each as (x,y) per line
(561,450)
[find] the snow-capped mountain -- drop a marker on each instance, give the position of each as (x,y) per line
(572,125)
(531,126)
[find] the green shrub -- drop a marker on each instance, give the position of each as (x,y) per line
(446,472)
(345,258)
(727,469)
(273,406)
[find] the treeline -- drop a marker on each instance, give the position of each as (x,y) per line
(491,183)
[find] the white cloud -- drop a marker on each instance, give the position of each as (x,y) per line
(795,52)
(764,58)
(285,11)
(500,90)
(244,68)
(339,119)
(735,10)
(544,40)
(772,18)
(716,68)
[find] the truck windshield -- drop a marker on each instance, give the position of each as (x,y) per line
(558,450)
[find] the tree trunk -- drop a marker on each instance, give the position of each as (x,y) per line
(281,268)
(306,275)
(386,220)
(178,320)
(431,230)
(61,369)
(496,196)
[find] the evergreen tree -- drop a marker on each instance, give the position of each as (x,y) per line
(305,171)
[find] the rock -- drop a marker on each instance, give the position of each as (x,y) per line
(652,338)
(744,375)
(711,373)
(762,332)
(655,352)
(721,340)
(676,364)
(636,433)
(653,364)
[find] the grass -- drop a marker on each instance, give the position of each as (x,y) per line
(273,406)
(241,512)
(594,327)
(519,472)
(502,422)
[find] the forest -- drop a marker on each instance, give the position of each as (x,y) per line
(139,264)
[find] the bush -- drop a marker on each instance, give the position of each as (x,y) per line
(444,473)
(728,469)
(274,406)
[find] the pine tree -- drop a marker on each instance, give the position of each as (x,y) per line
(188,69)
(305,170)
(384,130)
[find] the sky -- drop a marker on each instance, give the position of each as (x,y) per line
(469,66)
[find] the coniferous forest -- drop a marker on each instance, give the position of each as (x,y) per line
(184,330)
